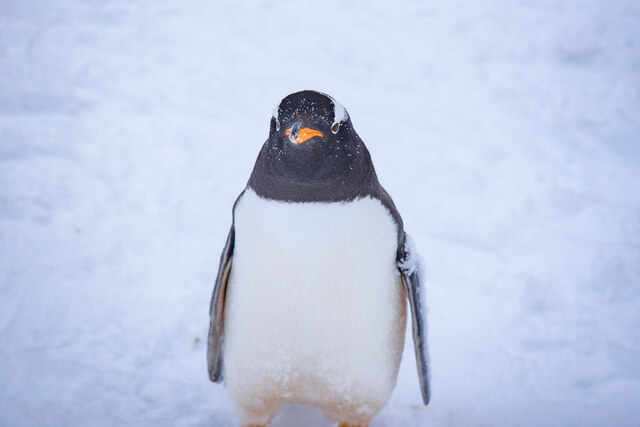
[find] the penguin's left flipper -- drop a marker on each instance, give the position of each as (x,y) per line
(216,310)
(411,271)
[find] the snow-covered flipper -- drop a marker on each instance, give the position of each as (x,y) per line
(411,269)
(216,311)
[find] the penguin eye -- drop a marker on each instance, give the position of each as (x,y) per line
(336,127)
(277,125)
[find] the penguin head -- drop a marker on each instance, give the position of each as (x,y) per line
(311,135)
(305,115)
(313,153)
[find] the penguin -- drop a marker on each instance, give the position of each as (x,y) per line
(309,303)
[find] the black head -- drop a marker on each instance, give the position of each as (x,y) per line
(314,108)
(313,153)
(311,136)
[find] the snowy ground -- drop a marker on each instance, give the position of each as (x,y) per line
(508,133)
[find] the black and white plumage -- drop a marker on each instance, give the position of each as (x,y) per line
(309,302)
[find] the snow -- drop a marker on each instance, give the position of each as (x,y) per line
(412,260)
(506,132)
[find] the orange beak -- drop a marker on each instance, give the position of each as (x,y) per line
(304,134)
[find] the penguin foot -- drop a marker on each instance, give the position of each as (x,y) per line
(255,425)
(352,425)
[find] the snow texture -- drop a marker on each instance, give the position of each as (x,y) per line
(508,134)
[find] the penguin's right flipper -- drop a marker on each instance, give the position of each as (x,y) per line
(411,271)
(216,310)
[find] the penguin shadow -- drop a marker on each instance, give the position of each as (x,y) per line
(300,415)
(308,416)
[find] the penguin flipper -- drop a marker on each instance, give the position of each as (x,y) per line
(216,310)
(411,271)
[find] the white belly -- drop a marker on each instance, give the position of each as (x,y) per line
(315,309)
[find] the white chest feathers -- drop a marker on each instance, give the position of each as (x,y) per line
(315,309)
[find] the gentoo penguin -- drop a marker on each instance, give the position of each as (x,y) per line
(309,302)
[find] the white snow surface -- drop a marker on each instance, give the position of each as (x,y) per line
(508,134)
